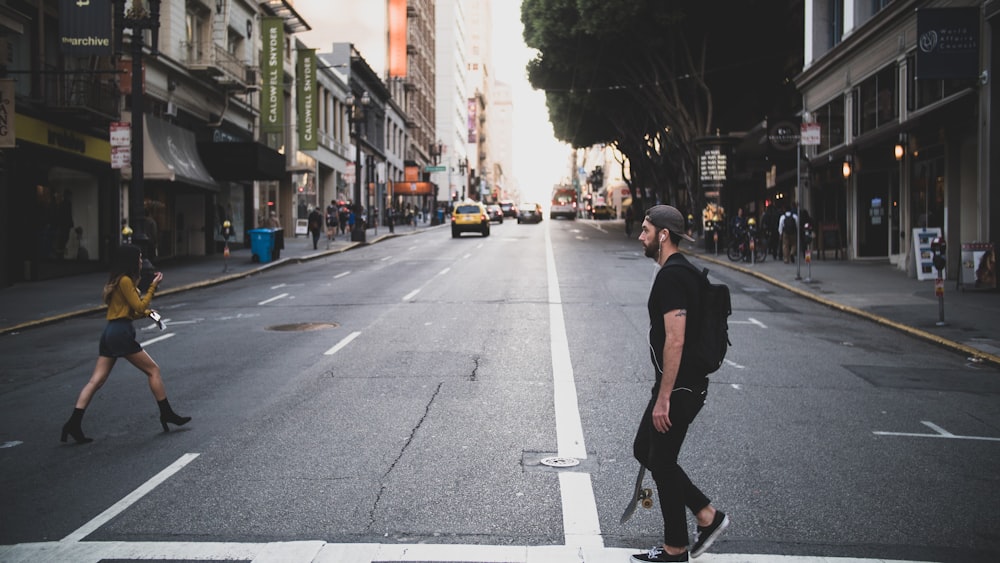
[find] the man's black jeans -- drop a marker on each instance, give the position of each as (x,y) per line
(658,452)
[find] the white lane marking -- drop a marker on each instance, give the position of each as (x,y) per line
(411,294)
(749,321)
(736,386)
(581,526)
(734,364)
(321,551)
(385,258)
(11,444)
(279,286)
(275,298)
(133,497)
(157,339)
(444,271)
(347,340)
(341,274)
(940,433)
(466,257)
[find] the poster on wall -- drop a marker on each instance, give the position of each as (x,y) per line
(925,256)
(979,266)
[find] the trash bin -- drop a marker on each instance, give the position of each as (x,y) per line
(358,231)
(261,245)
(279,242)
(439,214)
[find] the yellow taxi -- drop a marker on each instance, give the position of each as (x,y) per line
(470,216)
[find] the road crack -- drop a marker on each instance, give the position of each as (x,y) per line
(402,452)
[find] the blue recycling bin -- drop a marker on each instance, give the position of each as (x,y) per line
(262,245)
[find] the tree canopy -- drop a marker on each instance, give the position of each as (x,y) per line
(651,76)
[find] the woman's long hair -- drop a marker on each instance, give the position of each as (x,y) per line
(125,263)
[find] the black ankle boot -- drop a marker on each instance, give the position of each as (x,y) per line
(167,414)
(72,428)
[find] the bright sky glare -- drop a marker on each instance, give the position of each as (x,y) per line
(540,161)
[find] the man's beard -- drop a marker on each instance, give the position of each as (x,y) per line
(652,250)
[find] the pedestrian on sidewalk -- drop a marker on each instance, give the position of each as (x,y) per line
(678,393)
(315,226)
(788,226)
(118,341)
(331,221)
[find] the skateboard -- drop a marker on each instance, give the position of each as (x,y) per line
(639,496)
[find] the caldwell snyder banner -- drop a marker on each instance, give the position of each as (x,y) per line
(305,94)
(272,111)
(85,27)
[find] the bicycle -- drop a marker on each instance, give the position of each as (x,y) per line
(739,249)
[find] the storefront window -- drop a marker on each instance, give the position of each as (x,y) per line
(66,209)
(927,192)
(229,207)
(831,121)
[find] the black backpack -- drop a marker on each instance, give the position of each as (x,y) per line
(712,338)
(790,224)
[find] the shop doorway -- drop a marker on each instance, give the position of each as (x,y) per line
(877,213)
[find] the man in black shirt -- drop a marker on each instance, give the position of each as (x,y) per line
(678,393)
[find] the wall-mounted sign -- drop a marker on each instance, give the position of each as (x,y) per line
(85,27)
(7,134)
(947,43)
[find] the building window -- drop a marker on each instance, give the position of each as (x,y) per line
(876,100)
(922,93)
(831,122)
(835,22)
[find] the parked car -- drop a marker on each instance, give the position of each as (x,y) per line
(602,212)
(470,216)
(509,208)
(529,213)
(495,213)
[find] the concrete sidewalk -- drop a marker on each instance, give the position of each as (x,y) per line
(874,290)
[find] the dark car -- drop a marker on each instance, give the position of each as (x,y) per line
(509,209)
(602,212)
(529,213)
(495,213)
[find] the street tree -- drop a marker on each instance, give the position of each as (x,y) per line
(652,76)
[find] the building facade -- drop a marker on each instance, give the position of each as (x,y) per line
(905,149)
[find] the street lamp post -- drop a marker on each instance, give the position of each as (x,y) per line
(139,18)
(356,118)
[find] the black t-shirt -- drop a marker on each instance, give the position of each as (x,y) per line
(674,288)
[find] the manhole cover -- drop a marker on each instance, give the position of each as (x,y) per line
(299,327)
(557,461)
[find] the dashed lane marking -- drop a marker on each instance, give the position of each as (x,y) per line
(347,340)
(157,339)
(275,298)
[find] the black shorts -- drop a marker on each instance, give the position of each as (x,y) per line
(118,339)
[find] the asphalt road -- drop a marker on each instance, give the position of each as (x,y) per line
(404,393)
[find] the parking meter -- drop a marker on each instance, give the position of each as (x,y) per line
(807,234)
(938,247)
(227,230)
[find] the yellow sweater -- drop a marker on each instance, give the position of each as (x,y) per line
(125,302)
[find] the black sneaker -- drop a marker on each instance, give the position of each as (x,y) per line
(657,554)
(707,535)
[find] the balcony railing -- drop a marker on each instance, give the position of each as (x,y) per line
(217,62)
(87,92)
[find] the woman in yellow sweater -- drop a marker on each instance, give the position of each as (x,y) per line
(118,341)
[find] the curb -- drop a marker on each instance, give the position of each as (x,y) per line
(974,354)
(209,282)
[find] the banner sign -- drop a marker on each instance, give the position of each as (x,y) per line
(397,38)
(7,134)
(811,134)
(305,94)
(472,120)
(947,43)
(272,103)
(85,27)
